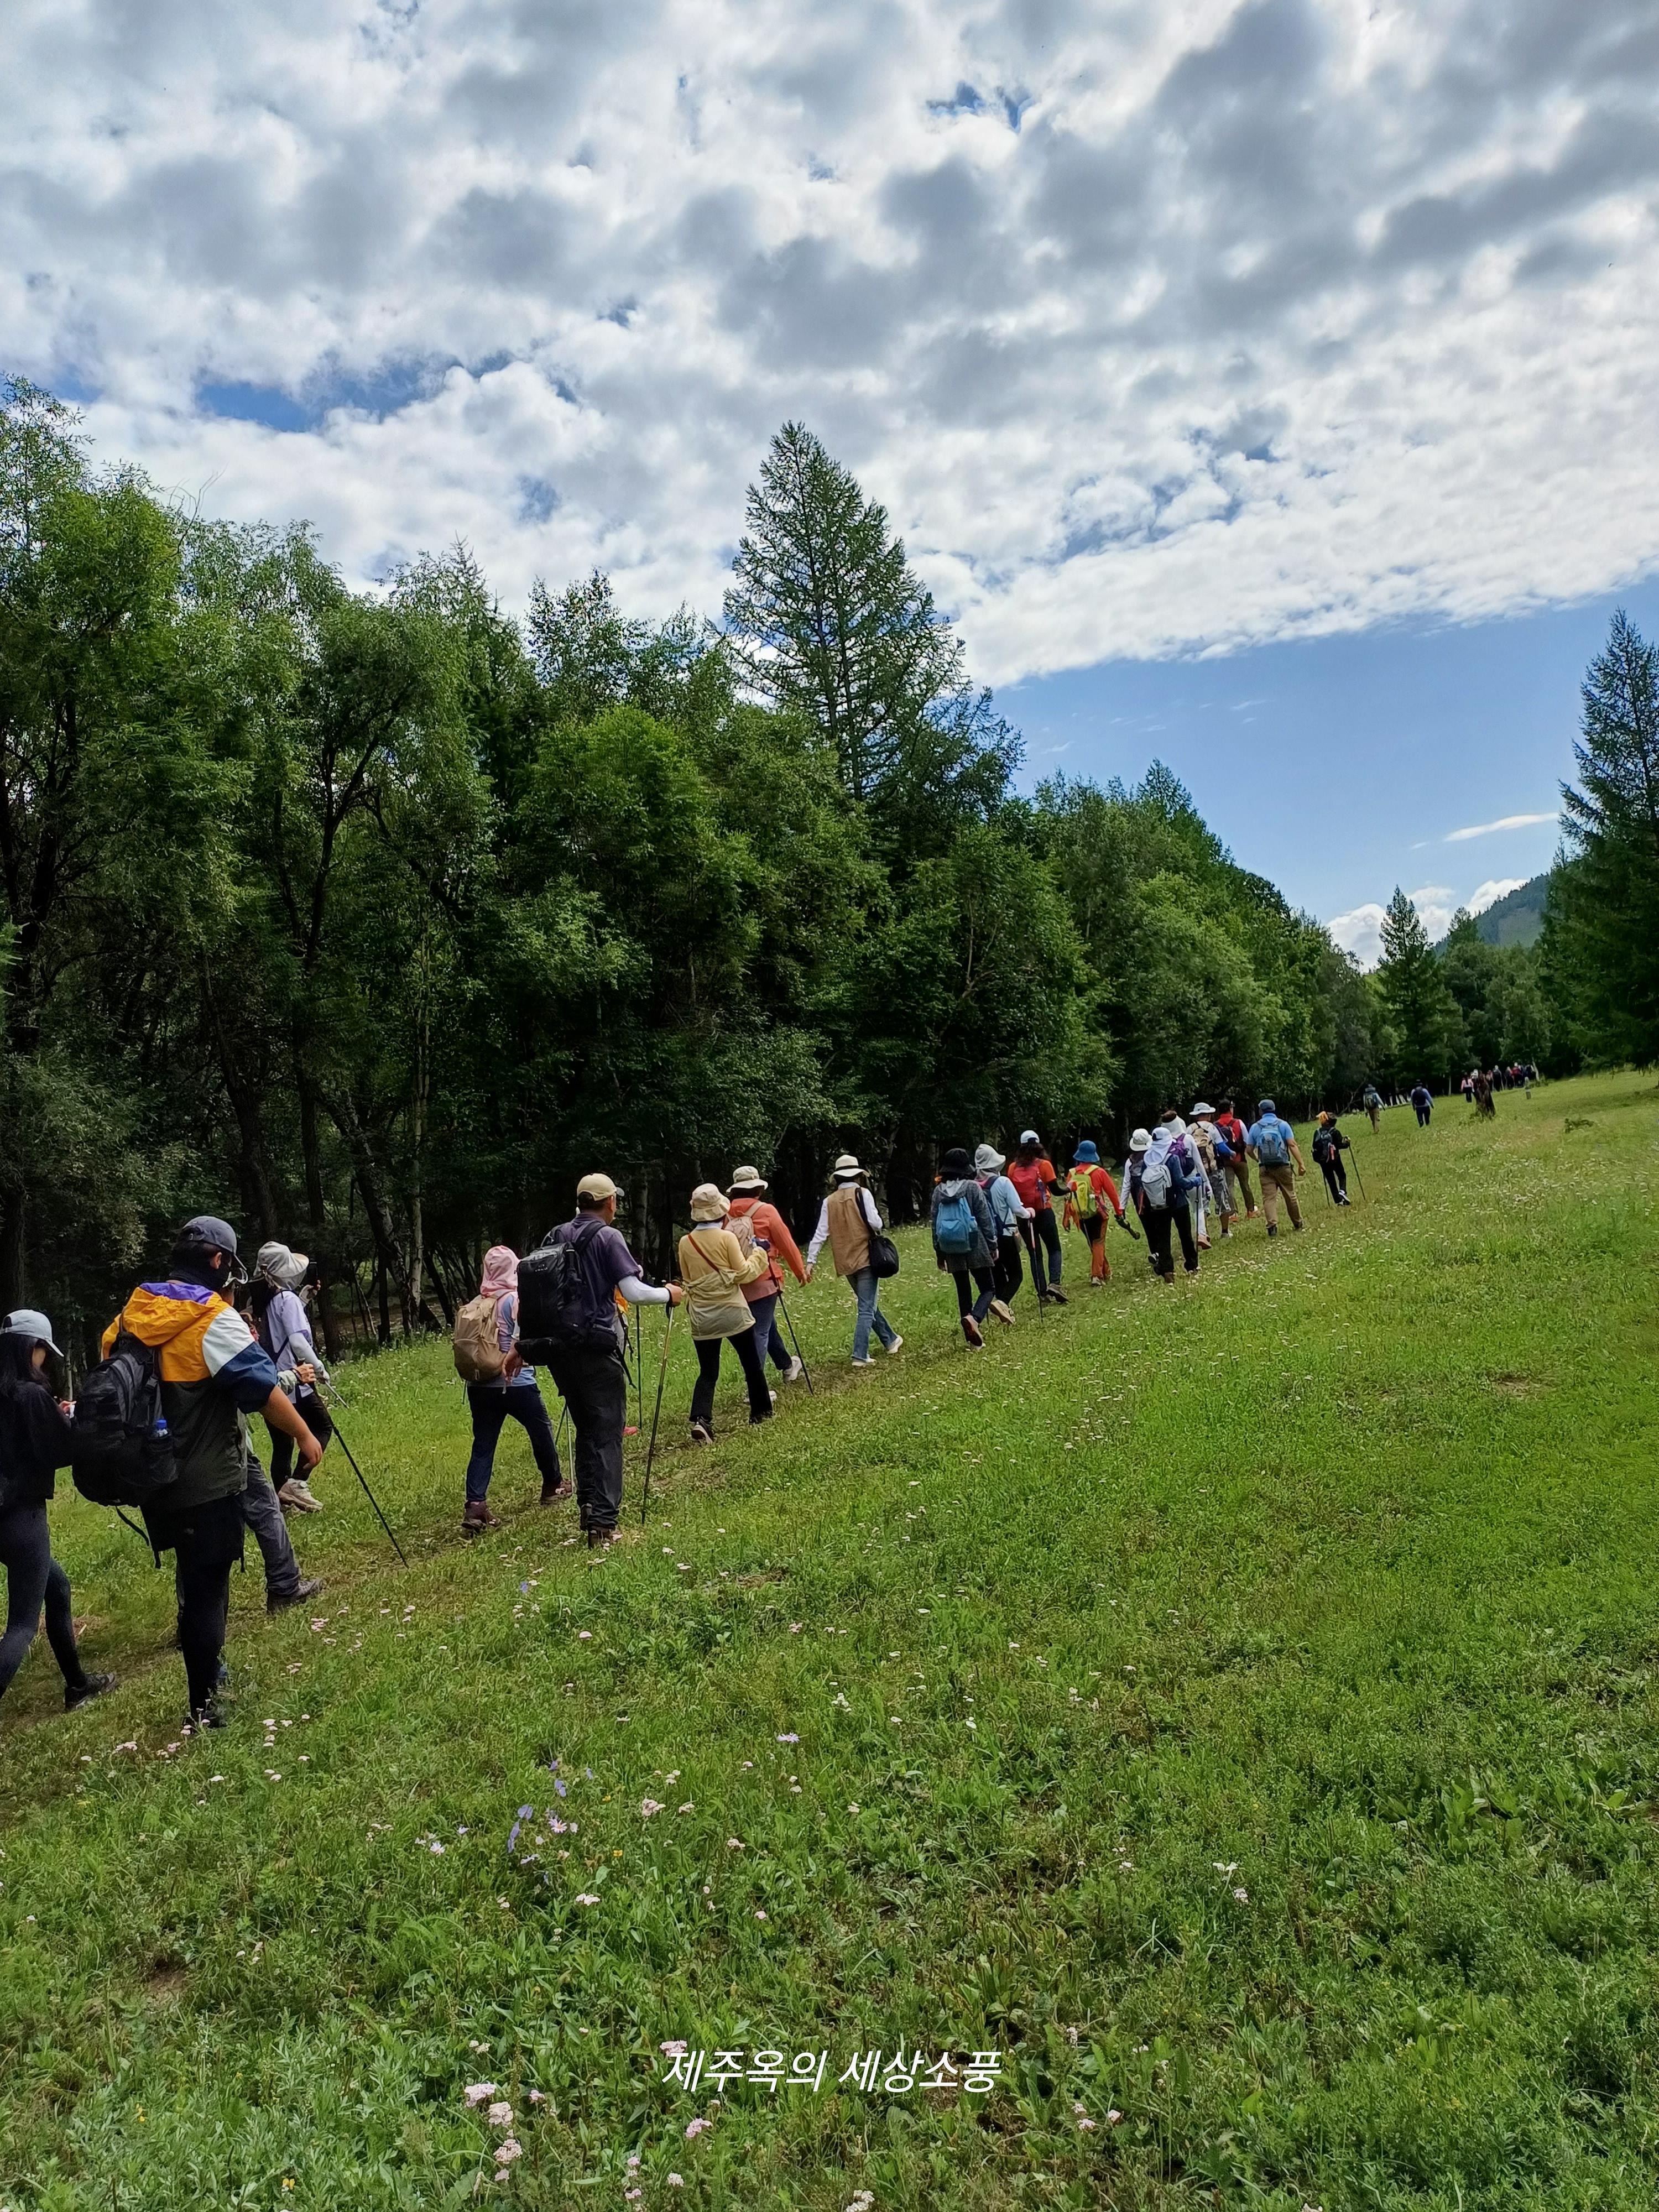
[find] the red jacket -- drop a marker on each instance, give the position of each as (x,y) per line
(770,1229)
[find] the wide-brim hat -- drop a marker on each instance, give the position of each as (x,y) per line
(709,1203)
(1202,1108)
(847,1165)
(1087,1154)
(29,1321)
(278,1265)
(1141,1142)
(746,1179)
(988,1160)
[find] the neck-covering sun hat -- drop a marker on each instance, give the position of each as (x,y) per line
(846,1168)
(988,1161)
(709,1203)
(1141,1142)
(957,1162)
(1203,1111)
(1087,1154)
(746,1179)
(30,1321)
(284,1269)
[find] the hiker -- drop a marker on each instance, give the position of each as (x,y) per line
(1090,1191)
(1010,1215)
(1423,1100)
(1164,1172)
(715,1267)
(964,1239)
(276,1301)
(1329,1145)
(1215,1157)
(585,1358)
(1273,1145)
(1486,1106)
(213,1373)
(486,1332)
(1195,1180)
(267,1518)
(34,1443)
(1033,1175)
(1234,1136)
(845,1222)
(747,1192)
(1371,1100)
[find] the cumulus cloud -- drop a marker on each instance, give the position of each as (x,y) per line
(1360,930)
(1158,329)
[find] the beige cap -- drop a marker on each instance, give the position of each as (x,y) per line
(709,1203)
(599,1187)
(747,1179)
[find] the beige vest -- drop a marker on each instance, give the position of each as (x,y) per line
(849,1229)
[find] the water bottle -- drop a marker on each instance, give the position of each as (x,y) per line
(160,1433)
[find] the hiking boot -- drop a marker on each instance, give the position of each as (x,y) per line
(553,1491)
(1273,1229)
(895,1344)
(794,1372)
(477,1517)
(599,1538)
(970,1330)
(209,1715)
(700,1434)
(89,1685)
(1004,1313)
(294,1497)
(1056,1295)
(279,1601)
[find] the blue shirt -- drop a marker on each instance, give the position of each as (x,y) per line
(1286,1134)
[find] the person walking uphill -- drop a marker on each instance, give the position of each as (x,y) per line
(213,1374)
(1033,1175)
(283,1327)
(1371,1100)
(1090,1193)
(34,1443)
(1234,1136)
(569,1323)
(965,1239)
(486,1332)
(846,1220)
(1159,1181)
(1010,1218)
(716,1268)
(747,1192)
(1329,1145)
(1423,1099)
(1273,1145)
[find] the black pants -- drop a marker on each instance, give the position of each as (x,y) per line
(984,1282)
(1336,1180)
(593,1384)
(1008,1272)
(314,1414)
(1049,1229)
(1422,1114)
(709,1368)
(206,1543)
(34,1578)
(1160,1222)
(490,1408)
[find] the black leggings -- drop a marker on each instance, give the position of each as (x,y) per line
(709,1368)
(206,1543)
(34,1578)
(984,1282)
(314,1414)
(1336,1179)
(1160,1221)
(1009,1272)
(1048,1229)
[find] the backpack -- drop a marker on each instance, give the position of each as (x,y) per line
(556,1310)
(1324,1148)
(1084,1195)
(1157,1183)
(1271,1149)
(478,1355)
(122,1453)
(954,1226)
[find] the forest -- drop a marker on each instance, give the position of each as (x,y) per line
(373,919)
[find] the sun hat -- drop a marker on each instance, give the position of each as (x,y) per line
(1140,1142)
(599,1187)
(1202,1108)
(1030,1137)
(747,1179)
(957,1162)
(1087,1154)
(709,1203)
(988,1160)
(847,1166)
(286,1269)
(29,1321)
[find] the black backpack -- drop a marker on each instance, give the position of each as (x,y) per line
(1324,1148)
(556,1308)
(122,1453)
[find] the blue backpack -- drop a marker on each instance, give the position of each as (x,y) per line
(1271,1148)
(953,1223)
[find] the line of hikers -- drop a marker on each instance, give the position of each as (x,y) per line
(161,1423)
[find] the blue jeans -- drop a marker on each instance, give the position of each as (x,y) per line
(768,1336)
(522,1401)
(866,1287)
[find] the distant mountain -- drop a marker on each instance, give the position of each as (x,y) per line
(1518,918)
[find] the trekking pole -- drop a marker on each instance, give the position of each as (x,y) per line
(656,1415)
(1359,1178)
(352,1464)
(805,1372)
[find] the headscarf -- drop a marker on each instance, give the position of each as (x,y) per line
(500,1272)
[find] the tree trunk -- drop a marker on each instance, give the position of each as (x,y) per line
(311,1151)
(14,1214)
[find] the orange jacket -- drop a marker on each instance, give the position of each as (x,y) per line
(770,1228)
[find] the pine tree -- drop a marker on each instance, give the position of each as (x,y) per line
(1425,1014)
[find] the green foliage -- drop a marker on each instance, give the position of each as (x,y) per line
(1431,1041)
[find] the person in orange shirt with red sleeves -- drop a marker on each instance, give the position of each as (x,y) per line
(1090,1192)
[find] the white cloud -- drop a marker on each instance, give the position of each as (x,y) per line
(1490,892)
(1360,930)
(1157,329)
(1490,828)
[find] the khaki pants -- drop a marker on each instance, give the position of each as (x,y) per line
(1277,1183)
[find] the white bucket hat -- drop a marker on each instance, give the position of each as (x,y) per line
(747,1179)
(709,1203)
(1202,1109)
(1141,1142)
(988,1160)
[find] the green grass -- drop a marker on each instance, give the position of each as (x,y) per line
(1332,1580)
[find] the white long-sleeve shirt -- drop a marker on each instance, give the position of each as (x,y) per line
(867,1206)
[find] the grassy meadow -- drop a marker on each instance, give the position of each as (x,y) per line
(1232,1705)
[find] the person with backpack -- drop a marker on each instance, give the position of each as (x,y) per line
(1165,1169)
(770,1232)
(1371,1099)
(1329,1145)
(267,1518)
(1010,1216)
(1423,1100)
(34,1443)
(1215,1157)
(1090,1192)
(848,1220)
(276,1303)
(179,1359)
(1034,1175)
(716,1267)
(1234,1136)
(486,1331)
(964,1240)
(1273,1145)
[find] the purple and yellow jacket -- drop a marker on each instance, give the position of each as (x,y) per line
(212,1375)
